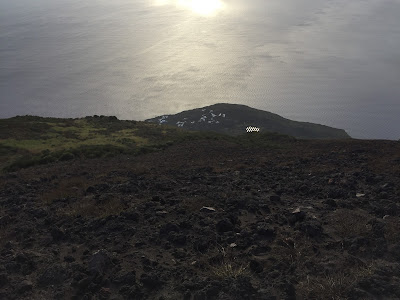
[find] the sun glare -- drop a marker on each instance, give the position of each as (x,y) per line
(201,7)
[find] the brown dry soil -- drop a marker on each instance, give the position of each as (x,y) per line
(207,220)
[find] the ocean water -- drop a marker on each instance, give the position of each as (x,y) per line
(333,62)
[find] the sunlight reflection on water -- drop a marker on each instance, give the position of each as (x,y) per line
(330,62)
(201,7)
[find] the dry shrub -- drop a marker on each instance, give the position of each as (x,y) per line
(295,250)
(229,268)
(334,286)
(349,223)
(392,229)
(67,188)
(89,207)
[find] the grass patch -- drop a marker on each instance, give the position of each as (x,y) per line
(89,207)
(29,141)
(82,152)
(74,189)
(334,286)
(6,150)
(68,188)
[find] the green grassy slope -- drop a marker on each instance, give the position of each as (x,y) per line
(28,140)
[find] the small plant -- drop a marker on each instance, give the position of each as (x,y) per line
(67,156)
(229,270)
(228,267)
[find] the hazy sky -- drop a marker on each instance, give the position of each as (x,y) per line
(332,62)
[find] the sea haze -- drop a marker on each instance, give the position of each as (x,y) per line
(333,62)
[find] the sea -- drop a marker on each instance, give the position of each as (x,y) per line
(331,62)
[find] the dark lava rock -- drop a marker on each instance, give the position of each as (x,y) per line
(200,295)
(378,228)
(52,275)
(27,261)
(104,293)
(57,233)
(265,294)
(151,280)
(312,228)
(171,256)
(130,214)
(125,278)
(392,209)
(25,286)
(241,288)
(296,216)
(132,292)
(266,231)
(169,227)
(4,220)
(394,250)
(69,258)
(380,286)
(212,290)
(83,284)
(265,208)
(259,249)
(290,291)
(356,243)
(90,190)
(177,238)
(201,245)
(3,279)
(224,225)
(38,212)
(337,193)
(330,202)
(380,247)
(256,266)
(12,267)
(275,198)
(99,262)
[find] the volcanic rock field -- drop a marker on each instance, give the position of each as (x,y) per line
(207,220)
